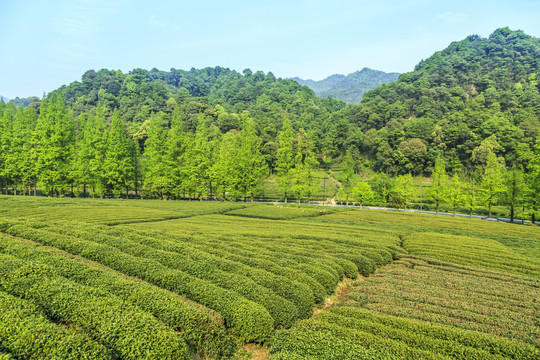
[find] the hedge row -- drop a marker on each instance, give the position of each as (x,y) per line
(299,294)
(282,311)
(297,343)
(197,327)
(410,338)
(249,321)
(245,257)
(26,333)
(129,332)
(285,301)
(367,340)
(455,337)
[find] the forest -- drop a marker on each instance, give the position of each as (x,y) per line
(468,117)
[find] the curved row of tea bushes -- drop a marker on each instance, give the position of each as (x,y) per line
(297,300)
(282,311)
(27,334)
(456,338)
(198,328)
(248,321)
(295,343)
(367,340)
(123,328)
(299,294)
(326,276)
(224,252)
(412,339)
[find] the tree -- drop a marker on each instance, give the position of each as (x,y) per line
(348,164)
(533,188)
(403,191)
(156,174)
(493,181)
(470,193)
(362,192)
(252,165)
(455,192)
(118,166)
(515,190)
(54,136)
(197,160)
(175,144)
(284,161)
(226,170)
(437,192)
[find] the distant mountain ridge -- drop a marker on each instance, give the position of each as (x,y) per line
(350,88)
(4,98)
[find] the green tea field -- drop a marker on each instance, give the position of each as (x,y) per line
(150,279)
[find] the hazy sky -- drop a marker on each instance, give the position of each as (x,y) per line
(48,43)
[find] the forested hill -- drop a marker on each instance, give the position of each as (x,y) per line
(217,94)
(477,95)
(349,88)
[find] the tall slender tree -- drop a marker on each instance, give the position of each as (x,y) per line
(118,165)
(284,159)
(515,190)
(493,181)
(348,164)
(437,192)
(252,165)
(533,184)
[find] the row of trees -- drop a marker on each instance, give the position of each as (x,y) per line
(488,186)
(92,155)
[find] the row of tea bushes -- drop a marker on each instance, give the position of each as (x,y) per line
(20,323)
(125,329)
(248,321)
(202,331)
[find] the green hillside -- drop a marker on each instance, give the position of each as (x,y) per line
(350,88)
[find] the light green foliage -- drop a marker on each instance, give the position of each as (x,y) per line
(225,170)
(439,183)
(515,186)
(347,174)
(157,172)
(362,193)
(284,159)
(455,192)
(118,163)
(252,167)
(533,181)
(492,183)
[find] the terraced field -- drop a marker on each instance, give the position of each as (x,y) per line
(182,280)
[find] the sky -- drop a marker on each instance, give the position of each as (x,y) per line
(49,43)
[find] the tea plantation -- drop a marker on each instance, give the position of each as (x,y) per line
(146,279)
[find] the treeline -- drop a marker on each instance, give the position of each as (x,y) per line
(490,185)
(92,154)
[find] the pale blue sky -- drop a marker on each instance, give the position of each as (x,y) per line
(47,43)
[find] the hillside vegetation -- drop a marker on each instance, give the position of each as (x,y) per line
(350,88)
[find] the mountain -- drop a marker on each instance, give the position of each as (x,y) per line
(349,88)
(4,98)
(477,96)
